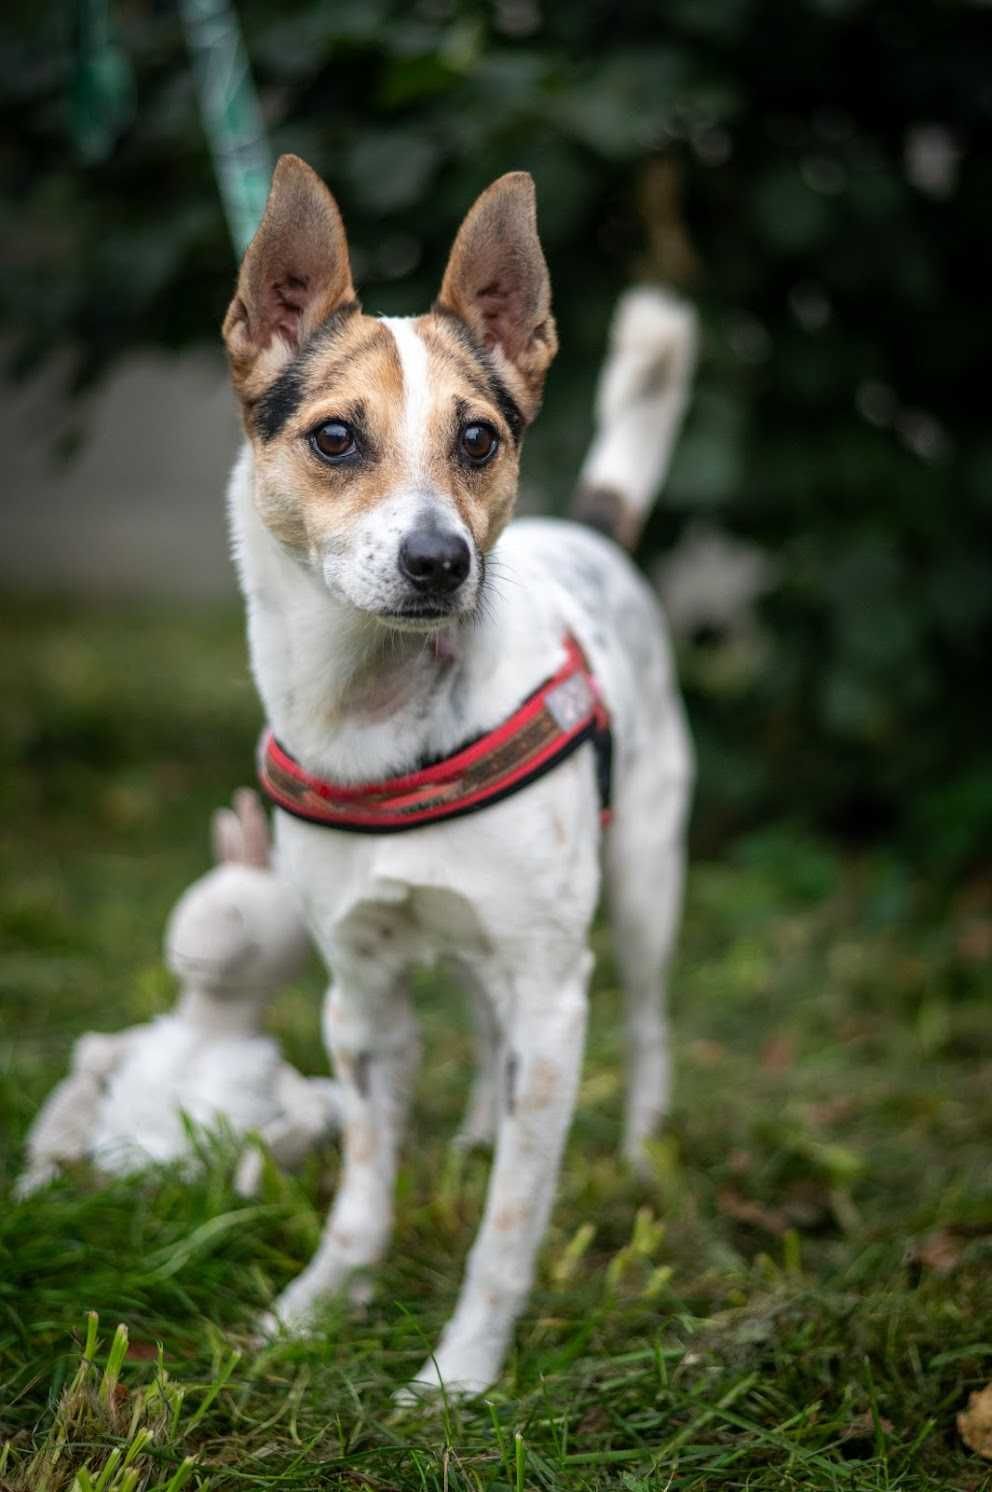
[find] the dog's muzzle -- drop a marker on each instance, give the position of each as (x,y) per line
(435,562)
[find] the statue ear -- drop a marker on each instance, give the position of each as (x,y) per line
(497,283)
(241,834)
(295,274)
(255,840)
(225,834)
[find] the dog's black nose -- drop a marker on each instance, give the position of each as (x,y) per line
(435,560)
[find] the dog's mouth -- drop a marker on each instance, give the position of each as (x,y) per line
(435,608)
(419,618)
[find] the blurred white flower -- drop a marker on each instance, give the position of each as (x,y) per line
(710,581)
(749,339)
(922,434)
(931,158)
(876,402)
(810,306)
(824,174)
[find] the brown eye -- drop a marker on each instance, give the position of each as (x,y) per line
(479,443)
(333,440)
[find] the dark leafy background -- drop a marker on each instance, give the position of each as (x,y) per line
(752,153)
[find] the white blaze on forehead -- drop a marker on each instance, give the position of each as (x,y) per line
(416,389)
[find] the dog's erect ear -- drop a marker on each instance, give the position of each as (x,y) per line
(497,282)
(294,275)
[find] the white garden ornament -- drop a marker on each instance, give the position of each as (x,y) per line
(233,938)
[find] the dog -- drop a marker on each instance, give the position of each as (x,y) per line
(396,620)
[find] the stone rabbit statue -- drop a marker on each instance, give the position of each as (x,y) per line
(233,938)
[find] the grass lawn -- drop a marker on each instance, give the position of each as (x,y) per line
(801,1298)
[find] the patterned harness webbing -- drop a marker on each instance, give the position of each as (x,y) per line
(551,723)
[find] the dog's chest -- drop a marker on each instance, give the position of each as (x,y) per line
(462,888)
(399,900)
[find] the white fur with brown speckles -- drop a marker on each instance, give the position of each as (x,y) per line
(508,893)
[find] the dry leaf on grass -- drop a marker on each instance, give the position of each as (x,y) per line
(778,1053)
(707,1053)
(139,1351)
(805,1206)
(831,1110)
(973,922)
(975,1422)
(939,1252)
(743,1210)
(974,940)
(864,1427)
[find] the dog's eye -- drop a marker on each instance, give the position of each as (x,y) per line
(479,443)
(333,440)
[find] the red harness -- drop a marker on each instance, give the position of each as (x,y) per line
(551,723)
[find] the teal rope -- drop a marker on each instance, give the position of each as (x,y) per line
(231,115)
(101,99)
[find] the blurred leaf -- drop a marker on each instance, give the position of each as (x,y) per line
(789,216)
(390,169)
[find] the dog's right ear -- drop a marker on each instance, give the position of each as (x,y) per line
(294,275)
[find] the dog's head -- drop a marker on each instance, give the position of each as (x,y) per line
(387,451)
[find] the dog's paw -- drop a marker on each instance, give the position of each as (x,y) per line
(645,1157)
(33,1180)
(264,1331)
(296,1311)
(451,1375)
(361,1290)
(248,1173)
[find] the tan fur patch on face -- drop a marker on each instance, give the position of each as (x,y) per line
(349,373)
(407,409)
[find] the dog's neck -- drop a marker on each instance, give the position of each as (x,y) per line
(356,701)
(379,673)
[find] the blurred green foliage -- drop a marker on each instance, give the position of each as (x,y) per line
(814,173)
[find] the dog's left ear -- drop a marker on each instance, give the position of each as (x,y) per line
(497,283)
(294,275)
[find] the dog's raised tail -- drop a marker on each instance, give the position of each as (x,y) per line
(641,398)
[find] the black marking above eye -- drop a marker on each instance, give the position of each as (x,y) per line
(495,387)
(333,441)
(478,441)
(276,407)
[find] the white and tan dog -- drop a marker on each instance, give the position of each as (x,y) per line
(395,614)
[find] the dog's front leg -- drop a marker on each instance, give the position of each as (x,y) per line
(372,1036)
(544,1021)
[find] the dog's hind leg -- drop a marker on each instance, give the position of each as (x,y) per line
(478,1127)
(645,870)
